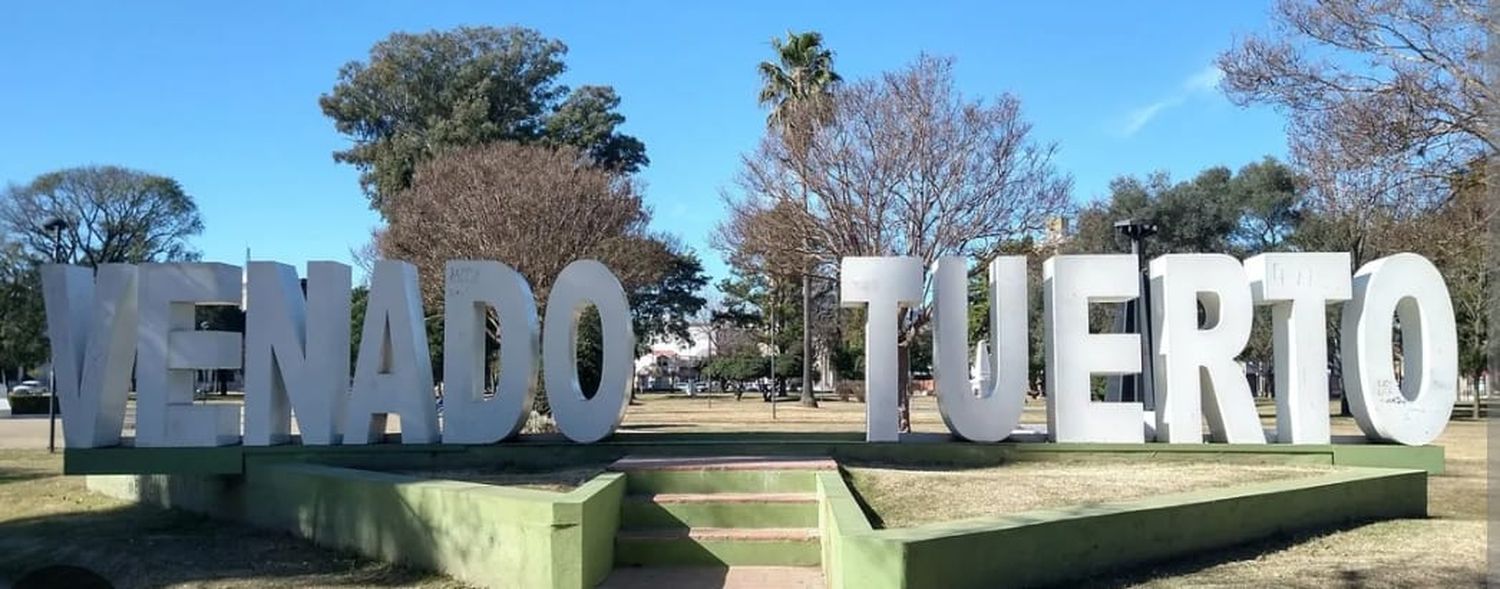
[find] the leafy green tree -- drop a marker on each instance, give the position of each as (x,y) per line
(737,366)
(23,344)
(767,308)
(419,95)
(663,309)
(1255,210)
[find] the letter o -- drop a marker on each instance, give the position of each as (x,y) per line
(1413,412)
(580,419)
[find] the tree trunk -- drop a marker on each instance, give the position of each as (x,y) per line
(808,398)
(903,385)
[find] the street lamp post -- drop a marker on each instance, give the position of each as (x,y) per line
(55,225)
(1138,388)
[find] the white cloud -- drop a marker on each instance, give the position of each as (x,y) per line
(1204,81)
(1139,117)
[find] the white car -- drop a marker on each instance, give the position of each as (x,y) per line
(29,387)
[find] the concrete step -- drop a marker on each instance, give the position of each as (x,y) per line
(720,510)
(733,474)
(740,577)
(718,546)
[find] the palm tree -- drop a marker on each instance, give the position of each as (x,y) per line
(801,77)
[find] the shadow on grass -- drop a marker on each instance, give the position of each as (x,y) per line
(139,546)
(21,475)
(1378,576)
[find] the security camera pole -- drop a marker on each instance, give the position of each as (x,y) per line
(1138,388)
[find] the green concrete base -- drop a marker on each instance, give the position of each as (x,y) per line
(549,452)
(685,551)
(697,481)
(486,535)
(509,537)
(1067,545)
(646,511)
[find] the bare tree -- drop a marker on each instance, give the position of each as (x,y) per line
(905,166)
(113,215)
(1391,107)
(534,208)
(1387,101)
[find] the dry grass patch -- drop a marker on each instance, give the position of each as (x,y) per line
(719,412)
(905,498)
(1447,550)
(46,518)
(1398,553)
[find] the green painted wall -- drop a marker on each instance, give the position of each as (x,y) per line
(509,537)
(491,536)
(1063,545)
(534,452)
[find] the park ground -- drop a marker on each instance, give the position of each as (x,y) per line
(47,517)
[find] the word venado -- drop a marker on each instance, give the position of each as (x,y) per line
(295,351)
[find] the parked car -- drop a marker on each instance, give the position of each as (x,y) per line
(691,387)
(29,387)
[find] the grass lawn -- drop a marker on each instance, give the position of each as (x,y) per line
(904,497)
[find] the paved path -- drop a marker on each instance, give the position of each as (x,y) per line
(26,431)
(728,578)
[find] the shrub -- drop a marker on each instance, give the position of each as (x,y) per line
(29,404)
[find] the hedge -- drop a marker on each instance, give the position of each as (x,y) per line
(29,404)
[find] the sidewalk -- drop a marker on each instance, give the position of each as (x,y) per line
(26,431)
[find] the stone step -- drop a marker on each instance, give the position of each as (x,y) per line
(720,510)
(719,474)
(718,546)
(744,577)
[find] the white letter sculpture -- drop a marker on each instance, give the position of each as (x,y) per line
(472,288)
(1415,411)
(1070,284)
(887,285)
(996,411)
(393,373)
(296,352)
(1196,371)
(582,419)
(170,352)
(1298,288)
(92,326)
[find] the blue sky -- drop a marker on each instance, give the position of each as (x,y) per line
(223,96)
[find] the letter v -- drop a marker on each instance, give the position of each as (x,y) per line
(92,325)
